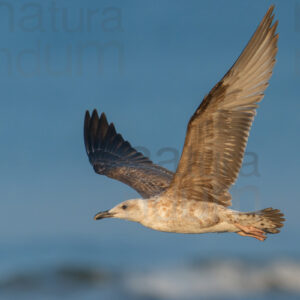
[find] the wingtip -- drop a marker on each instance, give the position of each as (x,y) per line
(103,119)
(87,118)
(269,16)
(112,130)
(95,114)
(270,9)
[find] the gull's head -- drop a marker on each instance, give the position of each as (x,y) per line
(132,210)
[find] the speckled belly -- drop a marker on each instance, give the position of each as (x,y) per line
(194,217)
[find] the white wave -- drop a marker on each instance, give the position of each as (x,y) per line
(219,279)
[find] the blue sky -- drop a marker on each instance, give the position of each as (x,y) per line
(164,56)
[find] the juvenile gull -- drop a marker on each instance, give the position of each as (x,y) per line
(195,199)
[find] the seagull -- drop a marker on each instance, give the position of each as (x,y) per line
(195,199)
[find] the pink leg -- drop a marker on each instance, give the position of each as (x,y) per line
(251,231)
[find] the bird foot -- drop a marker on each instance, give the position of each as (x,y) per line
(251,231)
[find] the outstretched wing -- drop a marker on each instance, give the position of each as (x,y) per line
(110,155)
(218,131)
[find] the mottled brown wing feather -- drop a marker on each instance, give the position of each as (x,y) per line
(110,155)
(218,131)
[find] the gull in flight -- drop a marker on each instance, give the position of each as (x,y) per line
(195,199)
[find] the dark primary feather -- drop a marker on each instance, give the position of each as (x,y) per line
(110,155)
(218,131)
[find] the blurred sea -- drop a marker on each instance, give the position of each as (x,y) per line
(71,270)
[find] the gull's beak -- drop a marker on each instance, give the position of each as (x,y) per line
(103,214)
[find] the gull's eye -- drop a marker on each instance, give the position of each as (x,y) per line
(124,206)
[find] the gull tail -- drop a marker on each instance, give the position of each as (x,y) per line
(258,223)
(269,220)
